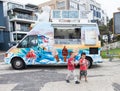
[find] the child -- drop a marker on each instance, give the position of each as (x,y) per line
(83,66)
(71,69)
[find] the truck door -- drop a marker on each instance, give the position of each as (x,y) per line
(28,49)
(44,50)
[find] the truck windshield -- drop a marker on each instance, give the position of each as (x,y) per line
(28,42)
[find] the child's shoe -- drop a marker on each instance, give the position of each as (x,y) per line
(77,82)
(67,81)
(86,81)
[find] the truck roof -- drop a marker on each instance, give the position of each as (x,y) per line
(42,27)
(72,24)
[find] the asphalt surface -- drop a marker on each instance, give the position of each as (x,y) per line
(1,57)
(101,77)
(31,81)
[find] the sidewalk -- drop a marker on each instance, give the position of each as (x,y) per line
(92,85)
(2,55)
(103,77)
(114,59)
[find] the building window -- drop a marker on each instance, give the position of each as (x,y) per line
(18,36)
(22,16)
(103,18)
(94,13)
(91,6)
(70,14)
(99,15)
(75,0)
(102,11)
(78,0)
(73,5)
(56,14)
(81,8)
(22,27)
(13,5)
(1,36)
(61,5)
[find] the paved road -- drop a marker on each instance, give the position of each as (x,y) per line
(1,57)
(102,77)
(31,79)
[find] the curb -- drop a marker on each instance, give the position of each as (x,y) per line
(114,59)
(2,54)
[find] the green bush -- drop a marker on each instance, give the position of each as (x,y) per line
(112,51)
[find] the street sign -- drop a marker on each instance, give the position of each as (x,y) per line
(116,23)
(68,14)
(56,14)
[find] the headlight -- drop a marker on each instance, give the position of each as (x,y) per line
(6,55)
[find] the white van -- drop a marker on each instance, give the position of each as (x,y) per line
(51,43)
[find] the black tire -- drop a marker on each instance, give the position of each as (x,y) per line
(89,62)
(17,63)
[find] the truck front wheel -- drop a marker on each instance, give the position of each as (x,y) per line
(17,63)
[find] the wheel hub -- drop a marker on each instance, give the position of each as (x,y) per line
(18,63)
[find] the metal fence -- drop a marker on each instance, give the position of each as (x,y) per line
(111,46)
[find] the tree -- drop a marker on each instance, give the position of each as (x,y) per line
(110,25)
(103,29)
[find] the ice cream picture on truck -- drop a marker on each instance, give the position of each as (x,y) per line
(51,43)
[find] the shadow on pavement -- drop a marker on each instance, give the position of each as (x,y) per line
(1,57)
(52,67)
(116,86)
(96,66)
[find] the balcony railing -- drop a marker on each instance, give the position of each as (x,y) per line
(67,41)
(23,30)
(27,17)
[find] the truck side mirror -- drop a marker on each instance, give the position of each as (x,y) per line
(12,44)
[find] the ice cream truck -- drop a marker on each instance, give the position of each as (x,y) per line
(50,43)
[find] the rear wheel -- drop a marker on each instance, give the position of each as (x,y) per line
(17,64)
(89,62)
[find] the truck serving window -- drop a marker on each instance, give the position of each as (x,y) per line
(67,36)
(28,42)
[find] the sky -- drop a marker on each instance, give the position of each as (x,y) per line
(109,6)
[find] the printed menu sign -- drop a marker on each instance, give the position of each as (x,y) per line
(90,36)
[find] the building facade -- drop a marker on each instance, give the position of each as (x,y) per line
(20,18)
(17,20)
(4,35)
(91,6)
(56,4)
(64,4)
(104,18)
(98,13)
